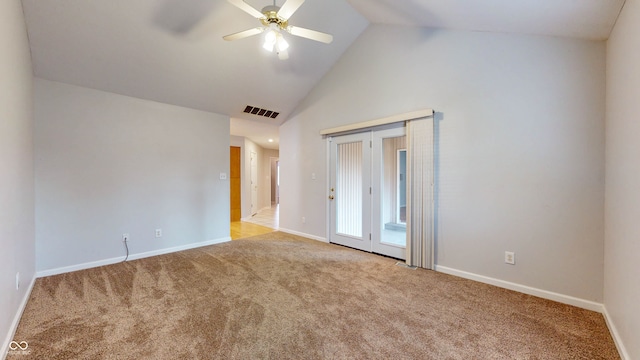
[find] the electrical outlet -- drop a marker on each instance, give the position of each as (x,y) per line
(158,233)
(125,237)
(18,281)
(304,220)
(510,257)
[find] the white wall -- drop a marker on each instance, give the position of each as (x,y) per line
(109,164)
(520,138)
(622,211)
(237,141)
(265,176)
(16,168)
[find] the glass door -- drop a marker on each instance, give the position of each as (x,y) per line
(350,188)
(368,191)
(389,232)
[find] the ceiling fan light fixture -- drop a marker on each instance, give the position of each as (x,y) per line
(270,40)
(282,43)
(275,20)
(268,46)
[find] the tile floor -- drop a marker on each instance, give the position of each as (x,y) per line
(243,229)
(265,221)
(266,217)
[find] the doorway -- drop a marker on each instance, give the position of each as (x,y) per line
(368,191)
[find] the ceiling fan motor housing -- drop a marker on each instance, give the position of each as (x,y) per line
(271,17)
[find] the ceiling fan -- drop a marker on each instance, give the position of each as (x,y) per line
(275,19)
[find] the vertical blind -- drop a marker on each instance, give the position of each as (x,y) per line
(420,193)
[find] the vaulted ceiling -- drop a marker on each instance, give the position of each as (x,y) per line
(172,51)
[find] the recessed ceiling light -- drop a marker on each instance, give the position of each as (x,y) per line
(270,140)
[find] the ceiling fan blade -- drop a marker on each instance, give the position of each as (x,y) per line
(288,8)
(310,34)
(240,4)
(244,34)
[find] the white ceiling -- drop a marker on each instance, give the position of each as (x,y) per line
(172,51)
(586,19)
(151,49)
(258,132)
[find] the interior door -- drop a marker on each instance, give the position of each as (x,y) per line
(349,194)
(235,183)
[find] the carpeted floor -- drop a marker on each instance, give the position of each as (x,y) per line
(278,296)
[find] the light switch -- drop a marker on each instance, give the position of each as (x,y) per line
(313,176)
(223,176)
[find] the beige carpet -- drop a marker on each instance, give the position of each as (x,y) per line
(278,296)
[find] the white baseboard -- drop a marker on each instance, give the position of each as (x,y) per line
(622,350)
(16,321)
(178,248)
(78,267)
(309,236)
(92,264)
(549,295)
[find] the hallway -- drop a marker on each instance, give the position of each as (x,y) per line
(265,221)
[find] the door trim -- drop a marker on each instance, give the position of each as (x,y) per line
(377,122)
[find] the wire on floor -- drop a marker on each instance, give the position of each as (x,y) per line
(126,246)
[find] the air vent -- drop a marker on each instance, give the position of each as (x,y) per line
(261,112)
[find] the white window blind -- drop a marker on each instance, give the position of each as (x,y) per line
(420,210)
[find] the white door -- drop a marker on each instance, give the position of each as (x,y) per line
(389,193)
(254,183)
(364,192)
(350,201)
